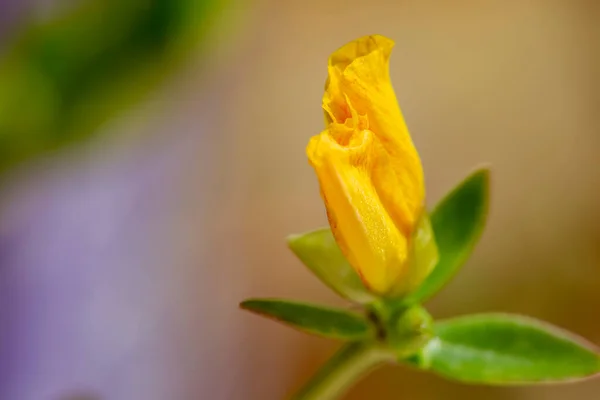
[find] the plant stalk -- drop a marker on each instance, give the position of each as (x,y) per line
(351,363)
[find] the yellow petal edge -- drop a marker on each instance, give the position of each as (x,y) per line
(368,169)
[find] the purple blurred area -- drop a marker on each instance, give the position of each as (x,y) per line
(10,13)
(88,298)
(123,259)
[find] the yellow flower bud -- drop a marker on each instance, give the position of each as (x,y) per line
(369,172)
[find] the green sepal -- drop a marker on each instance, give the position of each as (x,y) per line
(457,222)
(422,258)
(404,331)
(314,319)
(319,251)
(504,349)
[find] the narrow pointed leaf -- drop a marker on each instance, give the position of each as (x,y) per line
(318,320)
(457,221)
(319,251)
(503,349)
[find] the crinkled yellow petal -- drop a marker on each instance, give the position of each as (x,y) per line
(369,171)
(362,227)
(359,73)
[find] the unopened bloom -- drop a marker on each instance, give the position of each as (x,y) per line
(369,172)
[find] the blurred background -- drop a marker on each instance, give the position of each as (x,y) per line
(152,162)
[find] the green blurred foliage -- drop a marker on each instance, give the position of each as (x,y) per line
(60,79)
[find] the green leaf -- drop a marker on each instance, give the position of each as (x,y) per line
(503,349)
(457,222)
(315,319)
(319,251)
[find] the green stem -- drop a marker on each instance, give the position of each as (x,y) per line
(352,362)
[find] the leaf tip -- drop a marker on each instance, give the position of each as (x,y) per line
(292,240)
(248,304)
(481,177)
(299,242)
(482,174)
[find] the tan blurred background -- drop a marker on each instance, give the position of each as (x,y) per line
(511,83)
